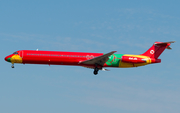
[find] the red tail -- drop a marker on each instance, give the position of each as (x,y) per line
(157,48)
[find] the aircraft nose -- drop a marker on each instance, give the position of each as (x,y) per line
(8,59)
(5,58)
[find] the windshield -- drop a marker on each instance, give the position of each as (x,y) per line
(15,52)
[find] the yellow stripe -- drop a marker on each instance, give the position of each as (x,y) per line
(139,56)
(16,59)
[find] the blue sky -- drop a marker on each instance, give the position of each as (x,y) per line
(89,26)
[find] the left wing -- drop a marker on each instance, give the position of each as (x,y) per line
(100,60)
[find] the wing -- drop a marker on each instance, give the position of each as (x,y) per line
(100,60)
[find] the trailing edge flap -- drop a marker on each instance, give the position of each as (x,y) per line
(103,69)
(100,60)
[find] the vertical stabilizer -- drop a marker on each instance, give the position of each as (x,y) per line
(156,50)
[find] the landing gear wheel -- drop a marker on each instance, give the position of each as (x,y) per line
(12,66)
(96,71)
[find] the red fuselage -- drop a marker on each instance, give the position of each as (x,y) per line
(95,61)
(52,57)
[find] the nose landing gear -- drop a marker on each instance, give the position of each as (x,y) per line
(12,66)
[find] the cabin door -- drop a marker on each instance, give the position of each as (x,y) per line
(21,54)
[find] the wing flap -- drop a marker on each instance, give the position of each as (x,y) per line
(103,69)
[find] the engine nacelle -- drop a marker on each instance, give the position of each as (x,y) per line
(130,59)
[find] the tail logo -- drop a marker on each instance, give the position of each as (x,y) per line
(152,51)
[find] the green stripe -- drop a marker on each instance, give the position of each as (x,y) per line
(9,59)
(114,60)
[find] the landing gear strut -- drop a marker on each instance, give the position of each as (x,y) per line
(12,66)
(96,69)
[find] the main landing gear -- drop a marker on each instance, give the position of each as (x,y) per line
(96,69)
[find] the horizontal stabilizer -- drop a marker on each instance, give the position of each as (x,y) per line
(164,43)
(169,47)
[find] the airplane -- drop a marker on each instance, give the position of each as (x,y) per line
(96,61)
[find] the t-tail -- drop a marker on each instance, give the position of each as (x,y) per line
(156,50)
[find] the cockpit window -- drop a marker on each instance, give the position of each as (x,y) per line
(15,52)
